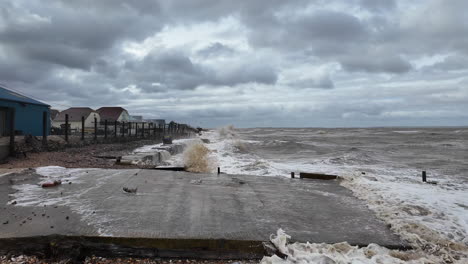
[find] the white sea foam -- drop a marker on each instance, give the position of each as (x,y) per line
(77,201)
(407,131)
(341,253)
(431,217)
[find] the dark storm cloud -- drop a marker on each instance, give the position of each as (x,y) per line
(174,70)
(94,52)
(22,71)
(334,36)
(312,31)
(61,33)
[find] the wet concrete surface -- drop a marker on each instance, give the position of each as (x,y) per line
(181,205)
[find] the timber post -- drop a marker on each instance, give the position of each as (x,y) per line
(44,129)
(95,128)
(66,127)
(82,127)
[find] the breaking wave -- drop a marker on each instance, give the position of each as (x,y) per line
(340,253)
(196,158)
(381,167)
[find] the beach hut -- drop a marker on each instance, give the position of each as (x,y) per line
(75,115)
(112,114)
(20,115)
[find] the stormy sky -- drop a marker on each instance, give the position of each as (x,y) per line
(313,63)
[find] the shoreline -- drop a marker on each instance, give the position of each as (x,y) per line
(88,156)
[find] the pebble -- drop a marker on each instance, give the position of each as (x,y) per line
(5,223)
(67,217)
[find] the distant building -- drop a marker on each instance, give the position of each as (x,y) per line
(54,113)
(74,118)
(136,118)
(112,114)
(27,114)
(157,122)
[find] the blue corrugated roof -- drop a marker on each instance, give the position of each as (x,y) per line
(6,94)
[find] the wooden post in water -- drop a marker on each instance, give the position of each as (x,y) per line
(82,127)
(219,170)
(424,176)
(292,175)
(66,127)
(44,129)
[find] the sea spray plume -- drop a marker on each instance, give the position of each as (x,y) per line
(227,132)
(197,158)
(240,146)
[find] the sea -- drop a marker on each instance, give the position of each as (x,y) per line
(381,166)
(396,152)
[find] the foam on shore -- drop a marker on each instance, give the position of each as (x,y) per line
(433,218)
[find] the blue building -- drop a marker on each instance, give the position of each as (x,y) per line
(25,114)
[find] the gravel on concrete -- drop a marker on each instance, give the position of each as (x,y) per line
(100,260)
(78,157)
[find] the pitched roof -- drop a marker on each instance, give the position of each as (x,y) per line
(54,113)
(74,114)
(110,113)
(9,95)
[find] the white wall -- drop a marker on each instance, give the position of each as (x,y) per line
(124,116)
(89,122)
(76,125)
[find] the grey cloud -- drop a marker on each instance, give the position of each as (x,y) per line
(378,5)
(247,72)
(21,71)
(62,34)
(73,51)
(376,64)
(216,50)
(451,63)
(141,6)
(317,31)
(322,82)
(174,70)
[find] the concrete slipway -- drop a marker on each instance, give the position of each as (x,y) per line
(178,213)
